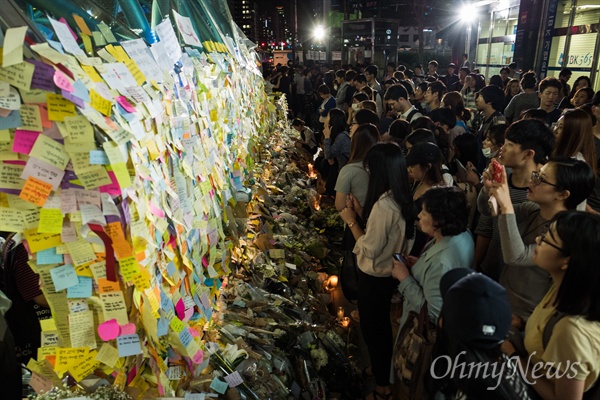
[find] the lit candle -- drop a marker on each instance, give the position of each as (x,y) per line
(340,313)
(345,322)
(333,281)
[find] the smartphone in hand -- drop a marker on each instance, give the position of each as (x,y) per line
(400,257)
(496,171)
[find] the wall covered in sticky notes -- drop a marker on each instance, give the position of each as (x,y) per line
(117,171)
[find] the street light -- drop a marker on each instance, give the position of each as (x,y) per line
(319,32)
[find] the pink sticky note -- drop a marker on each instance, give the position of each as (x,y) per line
(198,357)
(128,329)
(112,188)
(180,309)
(61,80)
(24,141)
(122,100)
(194,332)
(155,210)
(109,330)
(188,314)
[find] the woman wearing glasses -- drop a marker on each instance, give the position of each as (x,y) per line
(559,185)
(563,331)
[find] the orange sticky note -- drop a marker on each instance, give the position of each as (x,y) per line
(106,286)
(120,244)
(36,191)
(82,25)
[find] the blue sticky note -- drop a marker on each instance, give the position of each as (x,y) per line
(207,312)
(98,157)
(165,302)
(81,91)
(64,277)
(219,386)
(129,345)
(171,268)
(48,257)
(162,327)
(82,290)
(56,45)
(12,120)
(186,337)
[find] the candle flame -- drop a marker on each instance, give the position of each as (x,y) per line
(316,200)
(311,171)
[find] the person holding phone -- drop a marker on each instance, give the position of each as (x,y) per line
(444,216)
(559,185)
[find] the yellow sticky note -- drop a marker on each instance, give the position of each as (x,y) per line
(87,43)
(67,356)
(81,252)
(31,118)
(50,151)
(12,220)
(84,270)
(59,107)
(48,324)
(93,178)
(51,220)
(142,280)
(44,352)
(176,325)
(41,241)
(80,130)
(35,96)
(122,174)
(12,53)
(108,355)
(137,73)
(129,268)
(84,367)
(113,307)
(18,75)
(36,191)
(91,72)
(99,103)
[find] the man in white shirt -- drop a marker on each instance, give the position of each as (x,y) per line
(397,98)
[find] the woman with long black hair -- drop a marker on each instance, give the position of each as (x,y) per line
(390,216)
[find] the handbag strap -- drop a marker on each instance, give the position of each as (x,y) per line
(423,319)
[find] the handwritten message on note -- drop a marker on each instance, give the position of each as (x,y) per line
(64,277)
(35,191)
(59,107)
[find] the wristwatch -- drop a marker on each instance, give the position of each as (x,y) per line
(351,224)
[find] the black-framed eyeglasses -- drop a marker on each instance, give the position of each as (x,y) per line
(543,239)
(537,180)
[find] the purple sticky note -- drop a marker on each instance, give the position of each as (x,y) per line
(42,76)
(72,98)
(24,141)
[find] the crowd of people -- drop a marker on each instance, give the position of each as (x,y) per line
(477,197)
